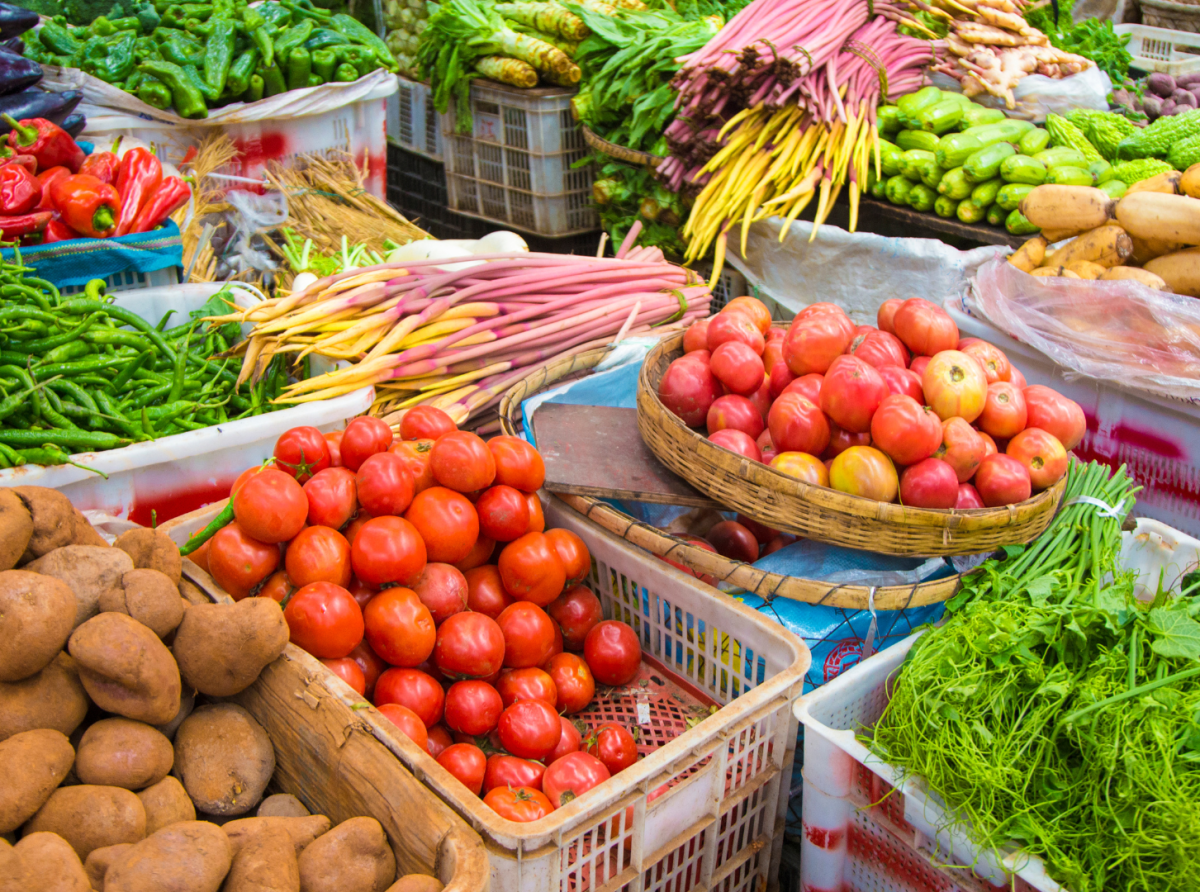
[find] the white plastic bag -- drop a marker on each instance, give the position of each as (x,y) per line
(1037,95)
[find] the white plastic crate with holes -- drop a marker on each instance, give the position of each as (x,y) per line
(413,121)
(517,165)
(731,284)
(1162,49)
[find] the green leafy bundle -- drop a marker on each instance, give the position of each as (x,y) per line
(1091,38)
(1056,711)
(625,193)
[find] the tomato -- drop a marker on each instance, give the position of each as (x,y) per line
(537,520)
(865,471)
(780,376)
(689,388)
(802,466)
(696,336)
(425,423)
(473,707)
(570,741)
(754,309)
(571,776)
(370,664)
(333,442)
(783,540)
(737,412)
(416,455)
(612,745)
(443,589)
(886,317)
(918,366)
(798,425)
(462,462)
(955,385)
(408,723)
(520,804)
(277,587)
(350,672)
(467,763)
(574,682)
(485,591)
(613,653)
(324,620)
(1017,378)
(480,554)
(762,533)
(360,591)
(962,448)
(352,529)
(239,562)
(736,327)
(469,645)
(906,431)
(302,452)
(990,358)
(270,506)
(968,498)
(574,554)
(808,386)
(737,441)
(518,464)
(738,367)
(818,335)
(556,647)
(925,328)
(332,498)
(385,485)
(904,381)
(528,634)
(761,398)
(414,689)
(1002,480)
(989,445)
(851,393)
(526,684)
(199,557)
(503,513)
(1056,415)
(318,554)
(530,729)
(447,522)
(840,440)
(773,353)
(930,483)
(880,349)
(364,436)
(1004,412)
(399,627)
(531,569)
(1042,454)
(439,740)
(510,771)
(734,541)
(576,611)
(387,550)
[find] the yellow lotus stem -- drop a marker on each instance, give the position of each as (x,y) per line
(327,394)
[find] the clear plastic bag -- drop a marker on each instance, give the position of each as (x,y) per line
(1037,95)
(1121,331)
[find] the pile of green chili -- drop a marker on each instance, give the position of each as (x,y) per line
(1056,712)
(78,374)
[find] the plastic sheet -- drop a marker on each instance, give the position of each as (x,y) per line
(1037,95)
(1121,332)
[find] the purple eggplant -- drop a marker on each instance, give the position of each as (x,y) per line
(17,72)
(14,20)
(14,45)
(74,124)
(1160,84)
(35,103)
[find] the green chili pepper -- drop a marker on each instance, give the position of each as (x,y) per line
(345,73)
(218,55)
(76,306)
(86,440)
(240,73)
(323,37)
(360,33)
(257,88)
(273,82)
(130,370)
(43,344)
(182,49)
(154,93)
(223,519)
(324,63)
(186,95)
(299,68)
(68,352)
(292,38)
(57,39)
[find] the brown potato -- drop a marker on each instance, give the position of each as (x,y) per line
(224,759)
(37,613)
(51,865)
(53,698)
(12,869)
(126,669)
(16,529)
(123,753)
(152,550)
(302,831)
(90,817)
(266,863)
(352,857)
(166,803)
(189,857)
(91,572)
(187,702)
(149,597)
(222,648)
(100,860)
(282,805)
(416,882)
(56,522)
(37,763)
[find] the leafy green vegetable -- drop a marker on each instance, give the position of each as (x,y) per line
(1091,38)
(624,193)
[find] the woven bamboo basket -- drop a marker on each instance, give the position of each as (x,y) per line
(630,156)
(1176,16)
(759,582)
(817,512)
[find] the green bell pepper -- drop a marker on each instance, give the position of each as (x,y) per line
(155,93)
(292,38)
(186,95)
(218,54)
(299,68)
(58,39)
(324,63)
(345,73)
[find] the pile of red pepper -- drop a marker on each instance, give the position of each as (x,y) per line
(50,191)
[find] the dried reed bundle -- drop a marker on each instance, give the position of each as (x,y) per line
(215,152)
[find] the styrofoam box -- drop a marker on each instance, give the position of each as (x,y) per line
(180,473)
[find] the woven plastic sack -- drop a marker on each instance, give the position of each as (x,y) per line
(77,261)
(1121,332)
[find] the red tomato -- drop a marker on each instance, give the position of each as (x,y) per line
(840,440)
(353,528)
(531,569)
(387,550)
(277,587)
(1017,378)
(570,741)
(783,540)
(485,591)
(851,393)
(1042,454)
(318,554)
(333,442)
(332,498)
(992,359)
(1004,411)
(886,316)
(439,740)
(696,336)
(734,541)
(1056,415)
(738,367)
(480,554)
(555,648)
(689,388)
(447,522)
(530,729)
(573,681)
(350,672)
(773,353)
(918,366)
(364,436)
(324,620)
(808,386)
(370,664)
(528,635)
(414,689)
(473,707)
(469,645)
(302,452)
(818,335)
(509,771)
(399,627)
(962,448)
(737,441)
(968,498)
(737,327)
(518,464)
(239,562)
(930,483)
(443,589)
(954,385)
(989,445)
(781,377)
(416,455)
(503,513)
(425,423)
(574,554)
(612,745)
(798,425)
(904,381)
(802,466)
(467,763)
(526,684)
(537,520)
(865,471)
(385,485)
(737,412)
(762,534)
(576,611)
(408,723)
(1002,480)
(523,805)
(360,591)
(754,309)
(270,506)
(880,349)
(199,557)
(906,431)
(462,462)
(925,328)
(571,776)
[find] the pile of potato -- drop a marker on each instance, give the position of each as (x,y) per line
(109,761)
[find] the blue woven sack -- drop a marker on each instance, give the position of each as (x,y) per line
(78,261)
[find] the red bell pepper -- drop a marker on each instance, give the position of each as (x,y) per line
(46,177)
(171,195)
(24,224)
(58,231)
(8,156)
(45,141)
(86,205)
(139,178)
(103,166)
(20,190)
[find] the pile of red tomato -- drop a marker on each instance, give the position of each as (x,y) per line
(905,411)
(419,570)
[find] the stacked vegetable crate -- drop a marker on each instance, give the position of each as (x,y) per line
(414,122)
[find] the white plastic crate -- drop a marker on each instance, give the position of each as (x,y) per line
(731,284)
(413,121)
(516,167)
(131,279)
(1162,49)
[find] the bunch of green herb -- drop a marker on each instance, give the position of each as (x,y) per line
(1093,39)
(624,193)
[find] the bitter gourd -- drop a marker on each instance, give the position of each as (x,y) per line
(1156,140)
(1185,153)
(1130,172)
(1104,130)
(1064,133)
